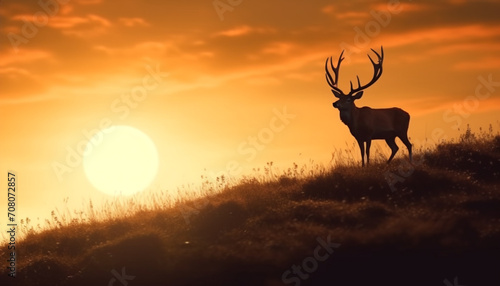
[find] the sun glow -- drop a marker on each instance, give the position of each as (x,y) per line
(123,163)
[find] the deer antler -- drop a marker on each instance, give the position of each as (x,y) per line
(377,72)
(331,82)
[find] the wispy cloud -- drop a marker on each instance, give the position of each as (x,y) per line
(278,48)
(150,48)
(441,35)
(244,30)
(88,2)
(476,47)
(24,56)
(26,99)
(404,7)
(132,22)
(486,63)
(236,32)
(90,24)
(346,14)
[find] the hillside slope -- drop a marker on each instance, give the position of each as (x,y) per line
(423,224)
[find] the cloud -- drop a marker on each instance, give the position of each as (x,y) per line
(479,46)
(20,85)
(67,22)
(235,32)
(132,22)
(399,7)
(87,25)
(355,14)
(441,35)
(278,48)
(243,30)
(346,14)
(149,48)
(250,49)
(88,2)
(479,64)
(457,2)
(24,56)
(329,9)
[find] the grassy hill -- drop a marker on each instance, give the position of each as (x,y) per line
(430,223)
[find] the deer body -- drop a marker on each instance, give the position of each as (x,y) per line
(365,123)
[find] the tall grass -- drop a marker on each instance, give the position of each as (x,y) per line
(155,200)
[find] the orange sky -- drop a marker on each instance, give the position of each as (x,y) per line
(221,75)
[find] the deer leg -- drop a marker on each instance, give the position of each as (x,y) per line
(394,147)
(405,140)
(368,144)
(362,149)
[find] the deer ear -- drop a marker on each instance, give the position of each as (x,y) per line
(357,95)
(336,93)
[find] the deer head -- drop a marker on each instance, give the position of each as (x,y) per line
(346,101)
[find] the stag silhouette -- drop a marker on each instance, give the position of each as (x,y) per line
(365,123)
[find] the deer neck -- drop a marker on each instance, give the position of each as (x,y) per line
(348,116)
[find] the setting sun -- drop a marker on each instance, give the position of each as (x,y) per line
(121,160)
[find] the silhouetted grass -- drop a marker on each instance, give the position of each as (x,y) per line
(441,221)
